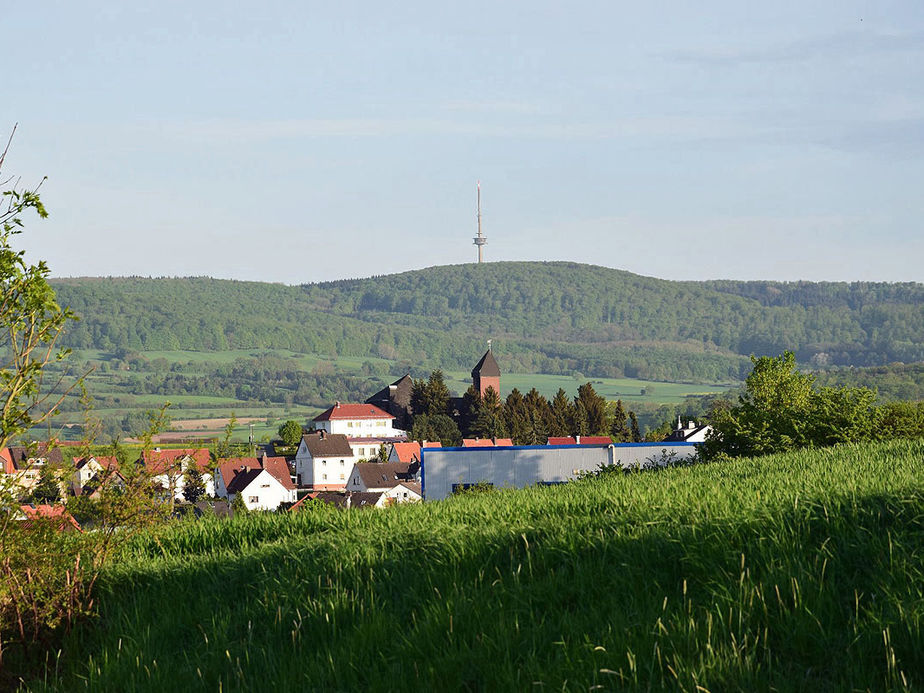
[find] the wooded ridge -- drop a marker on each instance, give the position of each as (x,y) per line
(551,317)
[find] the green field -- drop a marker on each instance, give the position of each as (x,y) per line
(111,383)
(802,571)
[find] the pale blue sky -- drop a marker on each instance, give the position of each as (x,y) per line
(302,141)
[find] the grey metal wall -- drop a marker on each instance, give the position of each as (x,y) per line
(521,466)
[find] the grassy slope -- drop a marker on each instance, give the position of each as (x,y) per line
(796,572)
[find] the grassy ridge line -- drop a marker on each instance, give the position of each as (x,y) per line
(793,572)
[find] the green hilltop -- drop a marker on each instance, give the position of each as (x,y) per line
(550,317)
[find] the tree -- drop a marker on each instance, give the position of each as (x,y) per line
(291,433)
(193,483)
(489,418)
(619,426)
(439,427)
(636,434)
(560,415)
(30,319)
(593,409)
(430,397)
(382,455)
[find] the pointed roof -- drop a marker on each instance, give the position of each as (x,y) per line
(487,366)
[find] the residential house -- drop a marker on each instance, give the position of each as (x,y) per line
(61,520)
(264,483)
(408,452)
(24,464)
(396,400)
(324,461)
(404,492)
(381,476)
(90,473)
(168,467)
(691,432)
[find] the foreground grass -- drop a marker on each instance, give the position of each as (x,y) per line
(795,572)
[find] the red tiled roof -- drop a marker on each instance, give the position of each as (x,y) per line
(407,452)
(432,444)
(477,443)
(503,442)
(107,462)
(233,467)
(561,440)
(596,440)
(160,461)
(50,512)
(353,411)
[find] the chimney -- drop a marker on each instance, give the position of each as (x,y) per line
(338,405)
(577,439)
(263,460)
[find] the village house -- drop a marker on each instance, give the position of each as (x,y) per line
(324,461)
(168,467)
(30,515)
(396,400)
(404,492)
(343,500)
(263,483)
(409,451)
(381,476)
(691,432)
(24,465)
(366,426)
(90,473)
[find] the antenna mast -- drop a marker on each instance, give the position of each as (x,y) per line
(480,240)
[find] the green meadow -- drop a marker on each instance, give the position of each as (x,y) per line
(796,572)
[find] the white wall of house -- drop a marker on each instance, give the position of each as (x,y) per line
(266,493)
(360,428)
(179,483)
(401,494)
(322,472)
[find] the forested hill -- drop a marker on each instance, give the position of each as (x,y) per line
(548,317)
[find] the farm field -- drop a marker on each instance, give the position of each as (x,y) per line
(801,571)
(118,385)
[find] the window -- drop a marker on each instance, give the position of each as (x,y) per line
(324,476)
(324,462)
(253,499)
(349,424)
(341,463)
(465,487)
(264,485)
(341,477)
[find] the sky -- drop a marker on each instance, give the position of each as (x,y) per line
(298,142)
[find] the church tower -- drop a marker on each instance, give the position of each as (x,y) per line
(486,374)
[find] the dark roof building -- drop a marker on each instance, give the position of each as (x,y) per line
(396,400)
(324,444)
(486,374)
(381,476)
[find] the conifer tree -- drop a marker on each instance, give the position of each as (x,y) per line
(560,415)
(619,427)
(636,433)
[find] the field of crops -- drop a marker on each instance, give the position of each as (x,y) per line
(802,571)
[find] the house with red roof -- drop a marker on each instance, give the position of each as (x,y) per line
(409,451)
(24,464)
(168,467)
(56,515)
(91,473)
(264,483)
(486,442)
(357,421)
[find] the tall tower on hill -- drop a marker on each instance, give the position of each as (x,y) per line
(486,374)
(480,240)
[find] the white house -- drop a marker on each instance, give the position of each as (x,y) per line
(23,465)
(94,471)
(405,492)
(263,483)
(358,421)
(169,466)
(690,432)
(380,476)
(324,461)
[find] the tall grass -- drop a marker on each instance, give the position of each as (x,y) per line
(802,571)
